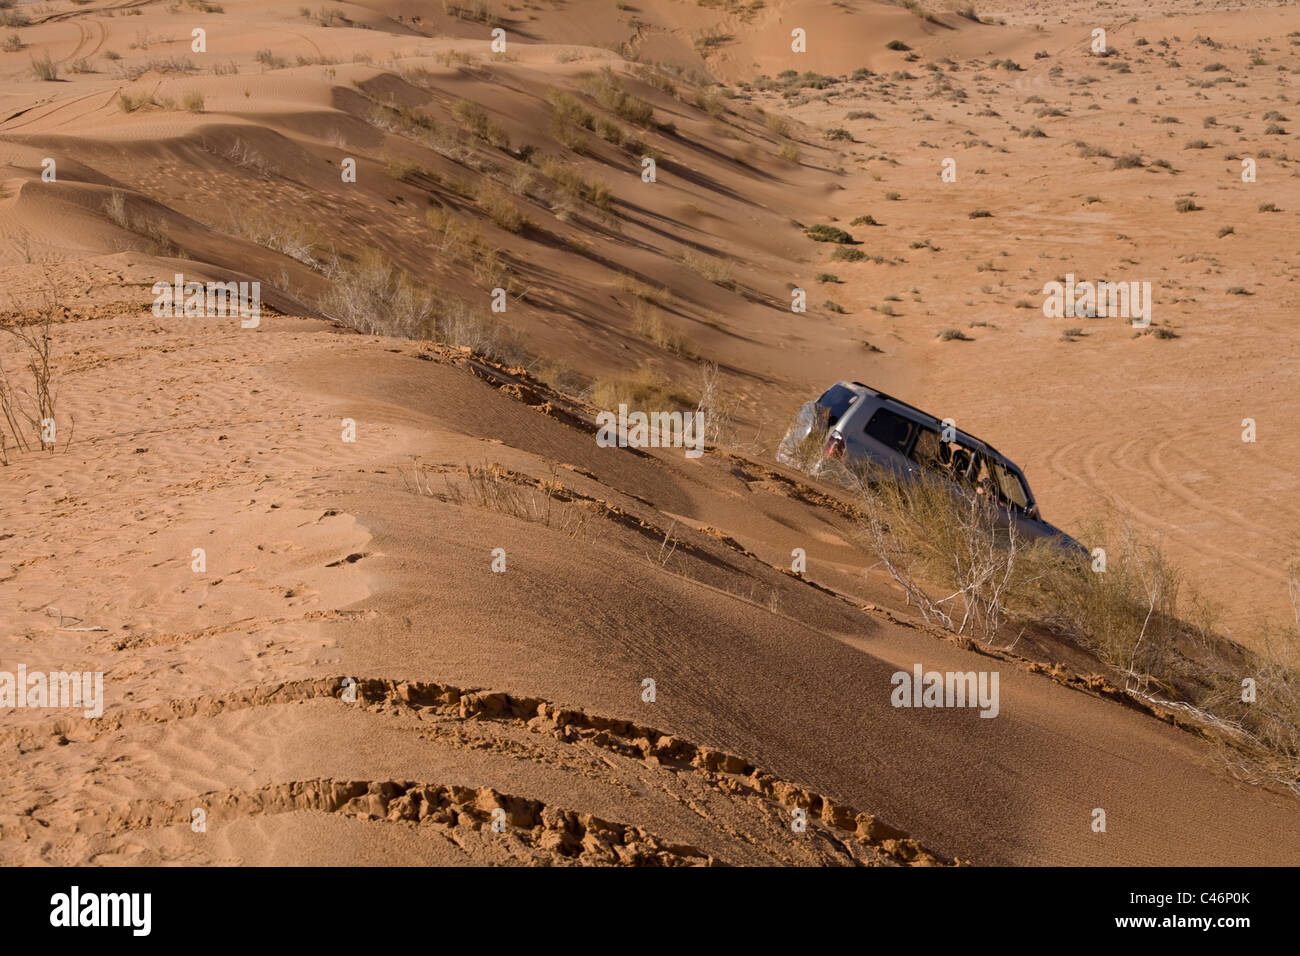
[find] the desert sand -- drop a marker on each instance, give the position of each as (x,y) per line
(348,680)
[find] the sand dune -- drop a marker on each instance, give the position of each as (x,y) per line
(348,679)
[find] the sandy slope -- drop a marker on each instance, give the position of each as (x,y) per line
(372,560)
(323,562)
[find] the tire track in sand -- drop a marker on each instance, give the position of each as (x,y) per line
(719,770)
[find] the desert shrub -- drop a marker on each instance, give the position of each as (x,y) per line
(152,230)
(572,183)
(714,268)
(776,125)
(823,233)
(44,67)
(376,298)
(474,10)
(608,90)
(931,541)
(292,236)
(645,389)
(498,206)
(475,119)
(269,60)
(649,323)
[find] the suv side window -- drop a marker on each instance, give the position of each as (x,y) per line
(891,430)
(926,450)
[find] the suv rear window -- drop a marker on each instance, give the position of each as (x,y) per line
(836,401)
(892,431)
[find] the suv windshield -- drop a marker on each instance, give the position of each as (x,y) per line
(1010,486)
(836,401)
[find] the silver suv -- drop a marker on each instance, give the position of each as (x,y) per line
(860,424)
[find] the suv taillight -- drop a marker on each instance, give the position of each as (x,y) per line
(834,445)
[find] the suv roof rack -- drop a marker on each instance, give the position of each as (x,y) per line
(927,415)
(898,401)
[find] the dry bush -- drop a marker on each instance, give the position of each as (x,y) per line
(492,487)
(568,118)
(242,154)
(28,402)
(163,65)
(130,102)
(933,538)
(714,268)
(717,408)
(398,167)
(497,206)
(607,89)
(571,183)
(159,240)
(476,120)
(457,240)
(270,61)
(481,333)
(632,286)
(293,237)
(649,323)
(777,125)
(475,10)
(44,67)
(376,298)
(645,389)
(1128,614)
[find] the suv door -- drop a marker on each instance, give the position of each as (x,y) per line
(887,439)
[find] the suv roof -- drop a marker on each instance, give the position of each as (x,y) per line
(937,424)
